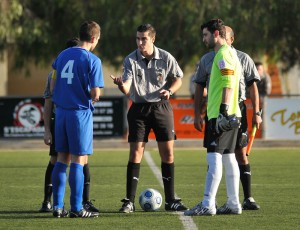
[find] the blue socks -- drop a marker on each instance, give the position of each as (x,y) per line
(59,178)
(76,181)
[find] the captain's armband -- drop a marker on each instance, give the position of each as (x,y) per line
(53,76)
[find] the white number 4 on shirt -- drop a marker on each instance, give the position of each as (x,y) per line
(67,71)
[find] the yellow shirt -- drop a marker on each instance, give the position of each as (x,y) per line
(225,73)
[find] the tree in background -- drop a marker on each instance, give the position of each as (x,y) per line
(34,29)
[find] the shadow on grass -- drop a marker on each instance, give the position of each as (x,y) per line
(30,214)
(24,214)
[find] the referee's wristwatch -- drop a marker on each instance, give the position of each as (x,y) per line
(258,113)
(170,92)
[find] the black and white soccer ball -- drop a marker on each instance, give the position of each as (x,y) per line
(150,200)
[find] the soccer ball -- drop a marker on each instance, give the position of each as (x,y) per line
(150,200)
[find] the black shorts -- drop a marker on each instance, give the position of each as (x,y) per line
(243,138)
(221,143)
(52,151)
(142,117)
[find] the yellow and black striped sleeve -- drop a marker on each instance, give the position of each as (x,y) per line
(53,76)
(227,72)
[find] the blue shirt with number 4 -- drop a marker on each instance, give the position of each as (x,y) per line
(77,72)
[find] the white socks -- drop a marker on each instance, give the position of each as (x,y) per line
(213,179)
(232,179)
(214,175)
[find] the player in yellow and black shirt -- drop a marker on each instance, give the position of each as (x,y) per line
(223,121)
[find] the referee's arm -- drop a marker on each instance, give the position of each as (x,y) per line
(176,84)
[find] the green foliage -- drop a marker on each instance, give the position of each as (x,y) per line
(8,31)
(38,29)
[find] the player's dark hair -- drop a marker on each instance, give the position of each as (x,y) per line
(72,42)
(258,63)
(147,27)
(88,30)
(213,25)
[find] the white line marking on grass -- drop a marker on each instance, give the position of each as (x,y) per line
(187,221)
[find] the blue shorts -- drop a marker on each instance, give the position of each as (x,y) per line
(74,131)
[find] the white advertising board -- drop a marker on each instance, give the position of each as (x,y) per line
(282,119)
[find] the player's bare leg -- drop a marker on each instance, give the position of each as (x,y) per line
(136,151)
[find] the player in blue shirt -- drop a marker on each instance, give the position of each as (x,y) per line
(49,139)
(77,79)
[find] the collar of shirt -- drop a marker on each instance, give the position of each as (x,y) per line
(141,57)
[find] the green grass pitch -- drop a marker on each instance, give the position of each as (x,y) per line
(275,187)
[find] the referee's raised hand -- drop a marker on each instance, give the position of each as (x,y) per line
(117,80)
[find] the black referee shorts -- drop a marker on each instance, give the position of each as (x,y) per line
(205,133)
(243,137)
(142,117)
(52,151)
